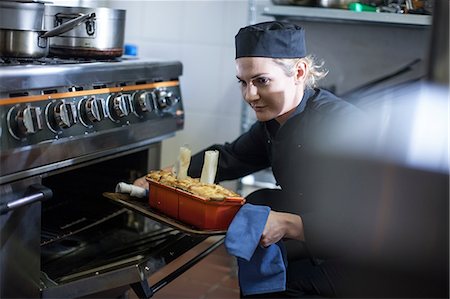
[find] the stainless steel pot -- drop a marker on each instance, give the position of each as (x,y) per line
(101,37)
(295,2)
(335,3)
(21,29)
(21,15)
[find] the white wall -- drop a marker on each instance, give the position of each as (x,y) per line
(200,34)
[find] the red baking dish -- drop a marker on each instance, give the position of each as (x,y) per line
(191,209)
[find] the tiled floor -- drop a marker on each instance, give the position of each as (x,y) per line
(213,277)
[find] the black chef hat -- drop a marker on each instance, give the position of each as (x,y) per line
(271,39)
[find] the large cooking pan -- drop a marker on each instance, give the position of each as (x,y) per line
(101,37)
(21,29)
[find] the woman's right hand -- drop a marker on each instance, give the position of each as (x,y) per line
(282,225)
(141,182)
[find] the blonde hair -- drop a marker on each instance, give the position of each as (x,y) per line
(314,70)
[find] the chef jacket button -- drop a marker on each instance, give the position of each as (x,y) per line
(268,141)
(299,145)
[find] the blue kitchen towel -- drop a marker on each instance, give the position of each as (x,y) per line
(261,270)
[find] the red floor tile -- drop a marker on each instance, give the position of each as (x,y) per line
(213,277)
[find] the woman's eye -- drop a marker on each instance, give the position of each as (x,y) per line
(242,83)
(263,81)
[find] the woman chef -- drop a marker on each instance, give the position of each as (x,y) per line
(277,79)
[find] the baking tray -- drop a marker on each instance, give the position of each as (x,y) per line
(141,206)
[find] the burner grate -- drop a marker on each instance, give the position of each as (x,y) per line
(6,61)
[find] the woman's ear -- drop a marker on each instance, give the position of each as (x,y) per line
(300,71)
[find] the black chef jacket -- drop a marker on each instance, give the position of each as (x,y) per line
(292,151)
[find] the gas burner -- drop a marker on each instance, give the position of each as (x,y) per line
(17,61)
(5,61)
(57,60)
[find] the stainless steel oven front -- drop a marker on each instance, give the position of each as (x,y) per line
(71,130)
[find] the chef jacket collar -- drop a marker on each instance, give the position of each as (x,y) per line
(272,126)
(308,93)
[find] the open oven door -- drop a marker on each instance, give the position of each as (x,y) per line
(92,245)
(144,274)
(115,252)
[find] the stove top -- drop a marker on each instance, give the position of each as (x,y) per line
(4,61)
(33,76)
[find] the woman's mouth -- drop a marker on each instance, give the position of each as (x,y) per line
(258,107)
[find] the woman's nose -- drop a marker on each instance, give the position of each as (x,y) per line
(251,93)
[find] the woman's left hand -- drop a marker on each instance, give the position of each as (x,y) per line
(281,225)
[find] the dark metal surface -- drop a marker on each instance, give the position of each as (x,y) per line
(55,154)
(439,48)
(19,243)
(86,52)
(188,252)
(141,206)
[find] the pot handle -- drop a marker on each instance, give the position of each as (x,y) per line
(69,25)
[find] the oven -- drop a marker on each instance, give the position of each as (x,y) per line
(71,130)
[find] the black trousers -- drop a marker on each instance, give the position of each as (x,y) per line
(306,277)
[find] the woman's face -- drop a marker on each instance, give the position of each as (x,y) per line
(267,89)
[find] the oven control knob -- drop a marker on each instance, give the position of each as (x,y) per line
(32,119)
(91,110)
(24,121)
(141,103)
(164,98)
(119,106)
(65,114)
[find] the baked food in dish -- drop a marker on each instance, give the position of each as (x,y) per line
(191,185)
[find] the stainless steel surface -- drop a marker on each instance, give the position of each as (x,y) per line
(47,74)
(52,124)
(79,127)
(294,2)
(22,44)
(335,3)
(32,43)
(38,194)
(21,16)
(101,36)
(39,160)
(57,30)
(19,240)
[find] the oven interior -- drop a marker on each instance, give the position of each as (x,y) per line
(84,234)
